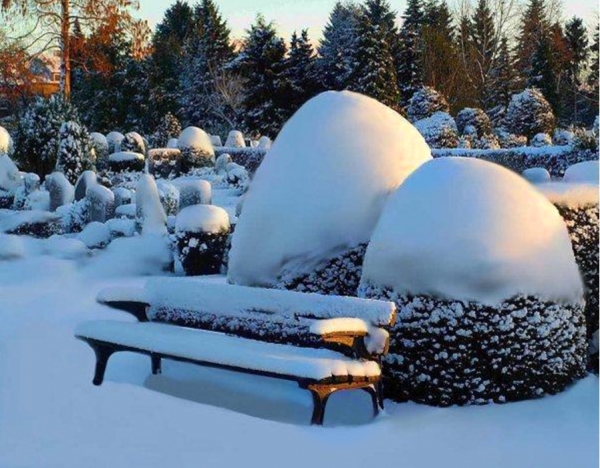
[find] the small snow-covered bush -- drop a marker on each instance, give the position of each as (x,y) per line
(126,161)
(114,140)
(215,140)
(529,114)
(221,163)
(196,149)
(540,140)
(439,130)
(202,236)
(31,183)
(583,172)
(150,215)
(123,196)
(562,137)
(194,192)
(537,175)
(168,128)
(476,321)
(40,224)
(237,176)
(474,118)
(169,197)
(133,142)
(74,151)
(10,178)
(426,102)
(235,139)
(61,190)
(6,144)
(7,199)
(100,147)
(95,235)
(86,179)
(264,143)
(250,158)
(508,140)
(75,216)
(164,162)
(101,203)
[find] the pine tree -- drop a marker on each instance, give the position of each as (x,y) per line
(261,64)
(484,46)
(374,72)
(206,53)
(74,150)
(300,72)
(335,49)
(578,53)
(409,69)
(542,73)
(166,61)
(533,27)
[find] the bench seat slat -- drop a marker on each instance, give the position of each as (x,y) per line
(232,351)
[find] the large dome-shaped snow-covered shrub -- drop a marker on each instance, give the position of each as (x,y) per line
(474,118)
(114,139)
(426,102)
(202,236)
(439,130)
(196,149)
(133,142)
(490,298)
(321,187)
(5,141)
(578,205)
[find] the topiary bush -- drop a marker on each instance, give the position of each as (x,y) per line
(126,161)
(168,128)
(529,114)
(438,130)
(445,352)
(426,102)
(74,151)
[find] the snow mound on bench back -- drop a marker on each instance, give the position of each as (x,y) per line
(466,229)
(322,186)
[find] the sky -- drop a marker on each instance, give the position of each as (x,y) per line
(290,15)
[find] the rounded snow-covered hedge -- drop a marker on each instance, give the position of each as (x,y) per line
(164,162)
(554,159)
(40,224)
(196,149)
(489,293)
(292,220)
(248,157)
(439,130)
(126,161)
(202,236)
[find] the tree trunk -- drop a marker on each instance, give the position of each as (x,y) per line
(65,36)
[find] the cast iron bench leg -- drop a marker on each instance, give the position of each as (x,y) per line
(156,364)
(371,390)
(102,355)
(320,396)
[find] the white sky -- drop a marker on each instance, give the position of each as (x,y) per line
(298,14)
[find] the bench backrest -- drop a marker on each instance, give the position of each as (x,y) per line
(240,302)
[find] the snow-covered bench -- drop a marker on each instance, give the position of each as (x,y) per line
(324,343)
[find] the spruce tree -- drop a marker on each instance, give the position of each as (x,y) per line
(484,45)
(534,25)
(409,67)
(300,72)
(166,61)
(261,63)
(374,72)
(542,73)
(335,50)
(503,76)
(207,51)
(578,48)
(592,80)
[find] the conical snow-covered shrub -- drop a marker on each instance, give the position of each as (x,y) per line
(321,187)
(490,300)
(426,102)
(235,139)
(100,146)
(61,190)
(133,142)
(114,140)
(74,151)
(150,215)
(529,114)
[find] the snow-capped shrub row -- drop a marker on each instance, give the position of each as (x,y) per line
(250,158)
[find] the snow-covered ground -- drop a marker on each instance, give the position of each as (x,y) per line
(52,416)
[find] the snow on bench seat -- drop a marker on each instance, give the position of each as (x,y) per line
(189,294)
(229,351)
(121,294)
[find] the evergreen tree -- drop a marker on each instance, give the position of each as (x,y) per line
(261,64)
(484,45)
(381,14)
(207,51)
(300,72)
(335,50)
(374,72)
(534,26)
(36,138)
(166,63)
(409,69)
(578,53)
(74,151)
(592,80)
(503,76)
(542,73)
(168,128)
